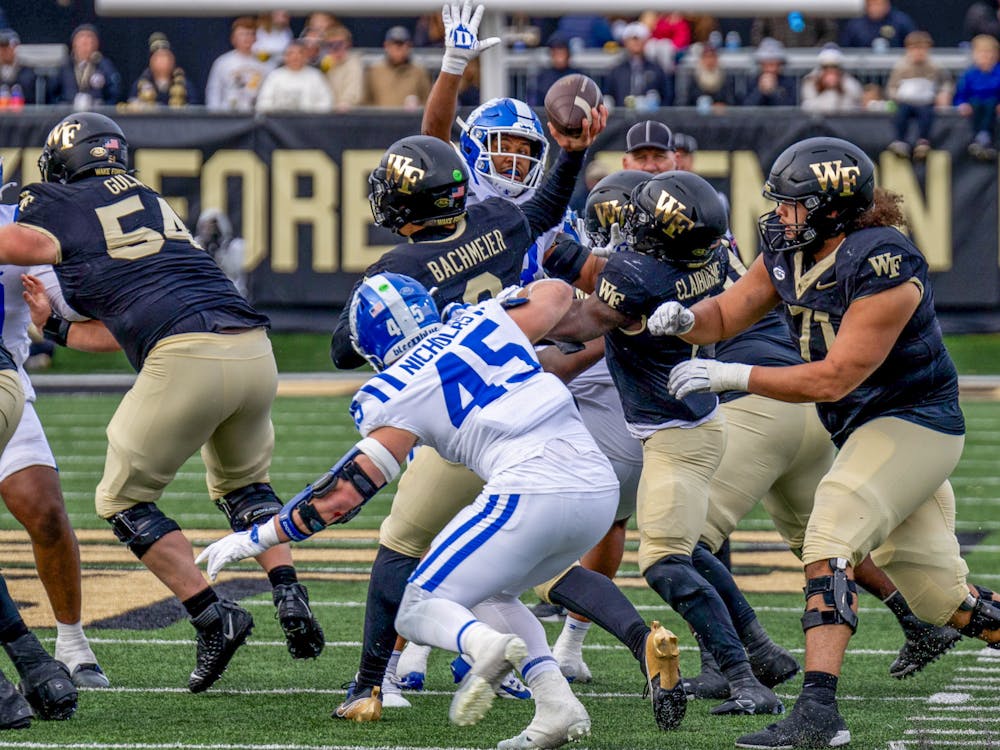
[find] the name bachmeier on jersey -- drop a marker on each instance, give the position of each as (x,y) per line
(468,255)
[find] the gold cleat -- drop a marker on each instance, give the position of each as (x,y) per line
(363,706)
(664,677)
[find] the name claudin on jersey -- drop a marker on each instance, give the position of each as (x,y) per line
(466,256)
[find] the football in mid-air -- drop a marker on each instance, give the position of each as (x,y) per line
(569,101)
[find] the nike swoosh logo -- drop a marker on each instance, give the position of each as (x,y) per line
(821,287)
(227,630)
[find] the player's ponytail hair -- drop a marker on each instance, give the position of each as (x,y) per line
(886,211)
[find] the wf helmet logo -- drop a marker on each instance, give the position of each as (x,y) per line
(831,174)
(400,169)
(608,212)
(670,213)
(63,135)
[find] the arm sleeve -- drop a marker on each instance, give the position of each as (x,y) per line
(53,291)
(566,259)
(341,350)
(546,208)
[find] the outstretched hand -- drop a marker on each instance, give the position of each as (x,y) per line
(461,36)
(37,300)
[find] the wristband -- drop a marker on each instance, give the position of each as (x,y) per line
(56,329)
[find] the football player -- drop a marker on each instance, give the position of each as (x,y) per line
(856,295)
(419,190)
(549,491)
(47,689)
(674,232)
(125,260)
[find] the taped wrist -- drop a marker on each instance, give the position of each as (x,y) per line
(454,62)
(56,329)
(730,376)
(381,456)
(838,592)
(566,259)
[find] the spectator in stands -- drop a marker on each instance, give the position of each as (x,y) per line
(685,147)
(978,94)
(675,27)
(983,18)
(592,31)
(321,22)
(560,64)
(317,46)
(12,73)
(274,32)
(709,82)
(794,30)
(295,86)
(880,21)
(88,78)
(163,83)
(429,31)
(636,78)
(772,88)
(395,80)
(828,88)
(344,73)
(235,78)
(916,84)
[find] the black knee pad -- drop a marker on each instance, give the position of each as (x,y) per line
(985,615)
(838,592)
(249,505)
(141,526)
(675,579)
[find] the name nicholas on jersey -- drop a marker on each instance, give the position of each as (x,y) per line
(464,257)
(439,340)
(700,281)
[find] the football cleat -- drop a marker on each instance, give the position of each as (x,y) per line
(925,643)
(547,612)
(45,682)
(15,711)
(708,684)
(302,632)
(511,687)
(392,696)
(571,662)
(771,664)
(222,628)
(748,696)
(810,724)
(666,691)
(559,716)
(479,687)
(360,705)
(411,669)
(90,676)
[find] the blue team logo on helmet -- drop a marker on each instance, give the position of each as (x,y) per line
(390,314)
(482,140)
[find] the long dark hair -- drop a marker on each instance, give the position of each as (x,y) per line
(886,211)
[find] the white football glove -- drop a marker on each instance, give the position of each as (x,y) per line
(238,546)
(703,375)
(670,319)
(615,243)
(508,292)
(461,36)
(581,231)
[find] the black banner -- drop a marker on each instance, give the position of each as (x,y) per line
(296,189)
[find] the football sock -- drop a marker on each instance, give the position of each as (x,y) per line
(510,615)
(721,578)
(200,602)
(390,571)
(413,659)
(72,647)
(598,599)
(820,686)
(390,667)
(10,617)
(898,606)
(283,574)
(573,634)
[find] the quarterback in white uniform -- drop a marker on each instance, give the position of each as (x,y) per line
(549,493)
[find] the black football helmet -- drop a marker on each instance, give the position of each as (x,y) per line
(832,178)
(676,217)
(607,201)
(420,180)
(80,145)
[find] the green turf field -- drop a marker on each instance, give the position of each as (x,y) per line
(266,700)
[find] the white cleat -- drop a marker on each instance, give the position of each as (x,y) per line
(559,717)
(571,663)
(478,689)
(411,669)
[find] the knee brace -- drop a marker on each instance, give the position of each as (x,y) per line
(249,505)
(985,615)
(838,592)
(141,526)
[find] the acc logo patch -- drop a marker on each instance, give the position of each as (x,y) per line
(779,273)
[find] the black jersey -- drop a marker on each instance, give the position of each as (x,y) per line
(635,285)
(917,381)
(125,258)
(766,342)
(477,259)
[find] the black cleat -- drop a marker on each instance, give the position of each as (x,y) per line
(772,664)
(666,690)
(809,725)
(45,682)
(710,683)
(222,628)
(302,631)
(547,612)
(747,696)
(15,711)
(925,643)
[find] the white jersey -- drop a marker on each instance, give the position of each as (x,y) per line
(476,393)
(601,409)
